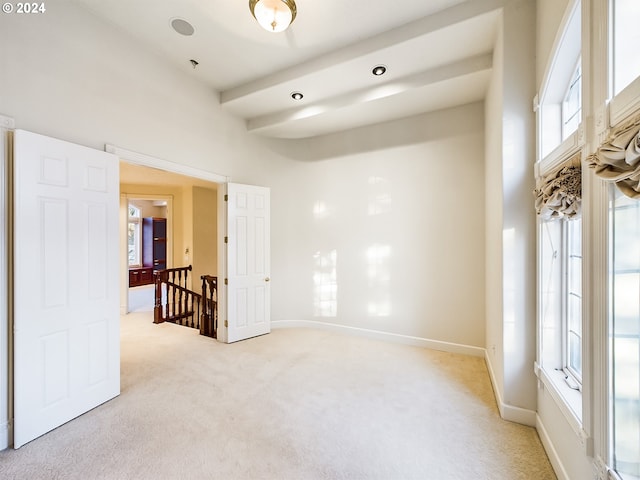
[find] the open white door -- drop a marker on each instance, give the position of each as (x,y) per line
(248,262)
(66,282)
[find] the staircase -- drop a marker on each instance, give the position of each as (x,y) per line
(176,303)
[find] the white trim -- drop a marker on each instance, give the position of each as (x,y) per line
(223,333)
(555,388)
(386,336)
(5,434)
(508,412)
(7,122)
(554,457)
(625,104)
(6,369)
(567,149)
(137,158)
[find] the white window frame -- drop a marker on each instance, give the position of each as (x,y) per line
(563,385)
(552,368)
(616,110)
(627,102)
(612,332)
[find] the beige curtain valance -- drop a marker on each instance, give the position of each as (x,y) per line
(559,193)
(618,159)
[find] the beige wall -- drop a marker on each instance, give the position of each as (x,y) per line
(148,209)
(186,254)
(205,233)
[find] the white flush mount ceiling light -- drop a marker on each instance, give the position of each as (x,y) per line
(273,15)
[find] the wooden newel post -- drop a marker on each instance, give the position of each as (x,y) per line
(157,306)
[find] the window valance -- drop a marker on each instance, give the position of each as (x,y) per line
(618,158)
(559,192)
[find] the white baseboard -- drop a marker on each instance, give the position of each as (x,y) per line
(378,335)
(509,412)
(554,458)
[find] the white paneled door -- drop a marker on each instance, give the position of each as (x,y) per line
(248,262)
(66,282)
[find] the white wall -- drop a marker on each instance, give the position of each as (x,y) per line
(494,200)
(511,339)
(401,205)
(69,75)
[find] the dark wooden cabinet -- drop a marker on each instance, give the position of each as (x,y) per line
(140,276)
(154,243)
(154,251)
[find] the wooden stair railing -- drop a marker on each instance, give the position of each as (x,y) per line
(182,305)
(177,304)
(209,324)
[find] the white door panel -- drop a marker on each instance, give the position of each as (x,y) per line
(66,282)
(248,261)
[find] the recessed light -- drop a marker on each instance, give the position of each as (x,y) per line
(182,27)
(297,96)
(379,70)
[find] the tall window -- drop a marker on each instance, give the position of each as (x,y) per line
(134,237)
(625,333)
(560,233)
(561,301)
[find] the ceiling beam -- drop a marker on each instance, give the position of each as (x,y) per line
(394,87)
(431,23)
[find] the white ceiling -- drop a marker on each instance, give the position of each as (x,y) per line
(438,54)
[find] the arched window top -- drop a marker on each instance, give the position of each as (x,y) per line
(560,97)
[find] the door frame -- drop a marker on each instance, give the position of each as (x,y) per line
(143,160)
(7,125)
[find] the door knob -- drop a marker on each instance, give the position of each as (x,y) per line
(267,279)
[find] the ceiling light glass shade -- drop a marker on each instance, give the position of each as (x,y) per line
(273,15)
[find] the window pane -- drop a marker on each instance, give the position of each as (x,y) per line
(626,37)
(625,327)
(574,298)
(550,285)
(572,104)
(133,243)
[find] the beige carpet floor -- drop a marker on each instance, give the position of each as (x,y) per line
(294,404)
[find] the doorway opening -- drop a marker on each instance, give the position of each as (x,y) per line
(195,218)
